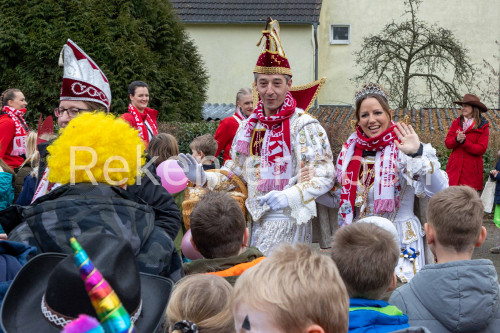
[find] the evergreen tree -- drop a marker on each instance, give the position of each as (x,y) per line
(129,39)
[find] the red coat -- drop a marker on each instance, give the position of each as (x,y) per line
(465,166)
(224,136)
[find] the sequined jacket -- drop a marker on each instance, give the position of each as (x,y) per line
(309,144)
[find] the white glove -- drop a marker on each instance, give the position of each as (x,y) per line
(193,170)
(275,199)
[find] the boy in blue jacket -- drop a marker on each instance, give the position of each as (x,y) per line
(366,255)
(456,294)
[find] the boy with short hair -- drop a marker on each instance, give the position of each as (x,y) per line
(203,149)
(294,290)
(366,255)
(219,233)
(456,294)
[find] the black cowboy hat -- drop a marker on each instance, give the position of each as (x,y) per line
(472,100)
(52,282)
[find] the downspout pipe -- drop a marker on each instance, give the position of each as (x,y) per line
(315,33)
(499,86)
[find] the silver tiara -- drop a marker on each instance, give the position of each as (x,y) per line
(370,88)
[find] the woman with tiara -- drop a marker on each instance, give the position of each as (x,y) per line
(381,168)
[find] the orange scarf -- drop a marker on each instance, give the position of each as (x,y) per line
(237,270)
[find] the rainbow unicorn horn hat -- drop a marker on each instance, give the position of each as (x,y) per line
(48,292)
(110,311)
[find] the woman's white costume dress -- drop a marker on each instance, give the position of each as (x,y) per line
(418,176)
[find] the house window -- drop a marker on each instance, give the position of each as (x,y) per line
(340,33)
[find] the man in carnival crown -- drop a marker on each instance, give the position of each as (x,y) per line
(267,153)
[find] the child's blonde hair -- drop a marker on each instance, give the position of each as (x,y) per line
(366,256)
(456,213)
(204,300)
(32,154)
(298,288)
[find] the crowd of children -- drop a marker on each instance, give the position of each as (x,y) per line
(296,289)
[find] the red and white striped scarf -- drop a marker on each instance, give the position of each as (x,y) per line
(386,183)
(21,130)
(275,154)
(147,129)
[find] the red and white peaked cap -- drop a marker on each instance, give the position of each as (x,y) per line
(83,80)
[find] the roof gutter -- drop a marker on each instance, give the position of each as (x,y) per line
(245,22)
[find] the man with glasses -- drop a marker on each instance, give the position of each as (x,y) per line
(65,113)
(85,88)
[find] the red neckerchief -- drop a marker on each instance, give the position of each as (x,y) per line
(349,178)
(275,165)
(21,130)
(142,126)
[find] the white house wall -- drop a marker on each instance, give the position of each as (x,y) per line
(229,52)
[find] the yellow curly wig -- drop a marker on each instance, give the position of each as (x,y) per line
(116,146)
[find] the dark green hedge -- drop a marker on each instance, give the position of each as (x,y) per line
(186,132)
(129,40)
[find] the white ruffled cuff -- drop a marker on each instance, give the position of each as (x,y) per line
(419,168)
(298,210)
(422,165)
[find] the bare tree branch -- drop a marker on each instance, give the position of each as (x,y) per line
(418,64)
(490,77)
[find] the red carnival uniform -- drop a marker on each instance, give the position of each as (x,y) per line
(225,133)
(146,124)
(13,133)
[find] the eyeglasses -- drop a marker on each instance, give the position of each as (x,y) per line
(72,112)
